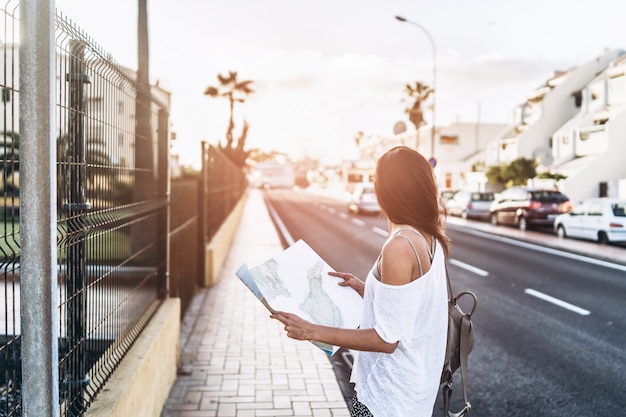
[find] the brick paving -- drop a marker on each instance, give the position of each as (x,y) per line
(235,360)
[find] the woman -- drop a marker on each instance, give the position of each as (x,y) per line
(402,338)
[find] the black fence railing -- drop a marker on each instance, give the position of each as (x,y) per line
(199,207)
(223,184)
(185,255)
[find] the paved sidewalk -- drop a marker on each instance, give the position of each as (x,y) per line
(236,361)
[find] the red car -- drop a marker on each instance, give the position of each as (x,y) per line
(525,207)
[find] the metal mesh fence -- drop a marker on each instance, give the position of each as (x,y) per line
(108,212)
(10,371)
(185,259)
(223,184)
(113,205)
(109,208)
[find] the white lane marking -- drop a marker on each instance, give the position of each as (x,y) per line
(358,222)
(550,251)
(332,210)
(343,216)
(557,302)
(468,267)
(279,223)
(379,231)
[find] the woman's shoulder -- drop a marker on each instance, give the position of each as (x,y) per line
(399,260)
(399,249)
(398,242)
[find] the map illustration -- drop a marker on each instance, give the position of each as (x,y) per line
(297,281)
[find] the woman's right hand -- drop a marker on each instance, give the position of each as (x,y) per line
(349,280)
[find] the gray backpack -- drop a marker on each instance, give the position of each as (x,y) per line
(460,344)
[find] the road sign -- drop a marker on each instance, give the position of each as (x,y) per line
(399,128)
(432,161)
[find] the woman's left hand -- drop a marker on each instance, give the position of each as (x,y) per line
(296,327)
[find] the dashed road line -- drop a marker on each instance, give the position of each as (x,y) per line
(556,301)
(469,267)
(379,231)
(358,222)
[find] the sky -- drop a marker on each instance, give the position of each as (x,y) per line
(323,70)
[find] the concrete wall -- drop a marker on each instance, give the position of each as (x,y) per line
(141,384)
(217,249)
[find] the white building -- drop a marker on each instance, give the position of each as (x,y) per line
(458,148)
(590,149)
(546,110)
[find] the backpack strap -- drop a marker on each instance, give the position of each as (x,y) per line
(464,353)
(447,388)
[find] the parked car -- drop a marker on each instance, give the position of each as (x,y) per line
(363,199)
(470,204)
(446,195)
(525,207)
(599,219)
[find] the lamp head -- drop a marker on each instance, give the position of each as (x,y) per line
(400,18)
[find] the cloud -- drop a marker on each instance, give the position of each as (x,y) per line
(307,100)
(496,72)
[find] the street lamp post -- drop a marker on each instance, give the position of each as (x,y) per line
(432,43)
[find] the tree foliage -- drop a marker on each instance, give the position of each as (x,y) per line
(260,155)
(234,91)
(517,172)
(552,176)
(418,93)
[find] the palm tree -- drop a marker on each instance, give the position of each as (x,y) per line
(358,137)
(418,93)
(235,91)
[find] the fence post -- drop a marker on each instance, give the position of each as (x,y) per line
(163,191)
(202,212)
(38,280)
(75,376)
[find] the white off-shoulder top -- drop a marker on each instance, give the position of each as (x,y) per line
(404,383)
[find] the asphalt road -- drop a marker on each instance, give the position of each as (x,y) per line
(550,326)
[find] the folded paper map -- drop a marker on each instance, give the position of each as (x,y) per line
(297,281)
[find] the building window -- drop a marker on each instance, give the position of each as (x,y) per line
(449,139)
(6,95)
(95,105)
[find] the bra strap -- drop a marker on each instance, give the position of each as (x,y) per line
(419,261)
(431,251)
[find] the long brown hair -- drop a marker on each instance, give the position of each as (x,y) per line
(407,192)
